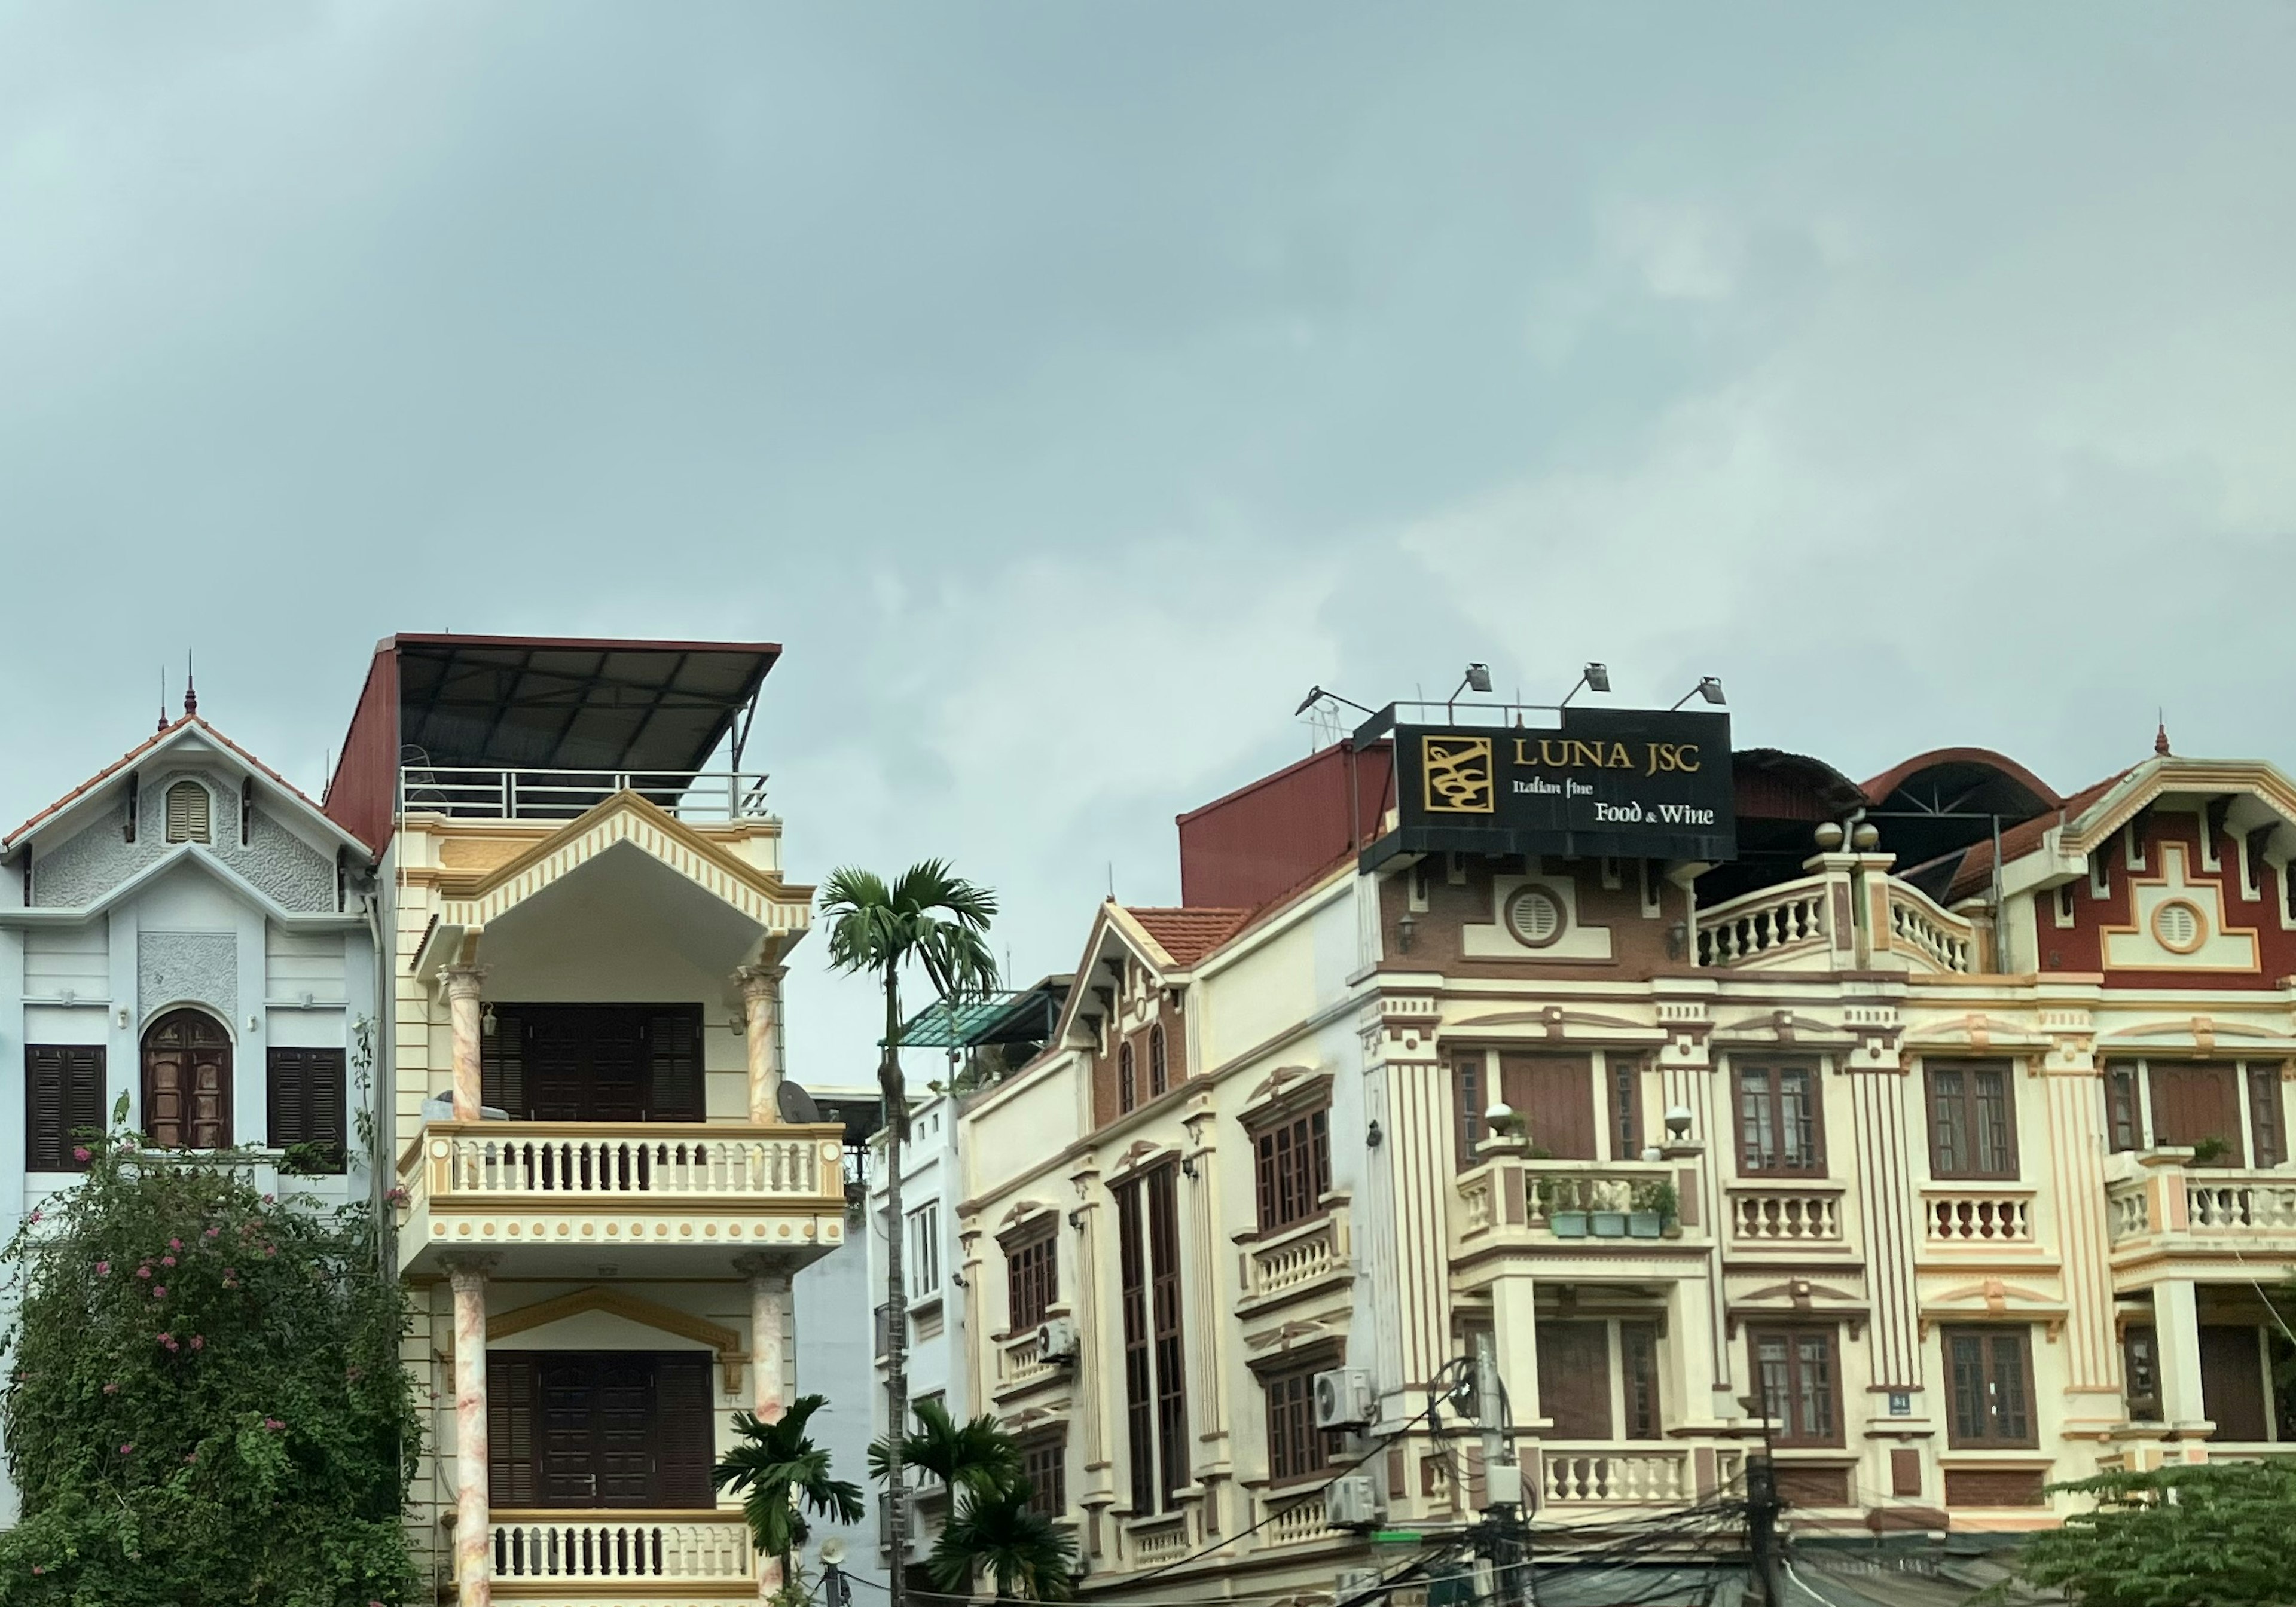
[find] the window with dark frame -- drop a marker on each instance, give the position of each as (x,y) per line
(1171,1347)
(1158,1072)
(63,1090)
(1989,1385)
(1297,1450)
(1638,1371)
(1626,1108)
(305,1100)
(1780,1126)
(1467,1087)
(1127,1093)
(1139,1356)
(1032,1280)
(1291,1163)
(1800,1382)
(2264,1120)
(1044,1464)
(1972,1122)
(2121,1108)
(2140,1366)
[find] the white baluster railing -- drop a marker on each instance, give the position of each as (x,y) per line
(1923,927)
(585,1161)
(1301,1256)
(1763,921)
(621,1545)
(1768,1217)
(1609,1477)
(1957,1218)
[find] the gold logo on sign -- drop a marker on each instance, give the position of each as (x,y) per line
(1456,773)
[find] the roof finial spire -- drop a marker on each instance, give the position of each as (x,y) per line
(163,697)
(2160,735)
(191,693)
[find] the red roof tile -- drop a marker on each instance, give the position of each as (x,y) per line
(1976,872)
(1188,935)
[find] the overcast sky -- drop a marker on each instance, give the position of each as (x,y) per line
(1068,386)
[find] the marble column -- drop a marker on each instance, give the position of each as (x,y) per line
(2177,1336)
(761,1038)
(462,1009)
(473,1561)
(769,1335)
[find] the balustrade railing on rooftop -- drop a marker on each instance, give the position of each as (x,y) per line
(485,793)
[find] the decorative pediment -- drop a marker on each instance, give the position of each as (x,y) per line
(2199,1035)
(1560,1024)
(1976,1033)
(1795,1297)
(630,1308)
(1993,1297)
(1784,1027)
(1143,1152)
(1287,1089)
(1026,1217)
(1294,1337)
(469,900)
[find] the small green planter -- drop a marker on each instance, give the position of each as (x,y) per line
(1608,1224)
(1643,1225)
(1568,1225)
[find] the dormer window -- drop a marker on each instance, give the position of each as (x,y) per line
(187,813)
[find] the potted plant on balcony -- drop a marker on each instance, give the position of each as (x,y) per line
(2210,1151)
(1569,1221)
(1655,1204)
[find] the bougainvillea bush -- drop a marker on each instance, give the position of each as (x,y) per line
(204,1404)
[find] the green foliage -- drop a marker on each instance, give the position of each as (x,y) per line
(1660,1197)
(995,1531)
(781,1475)
(206,1404)
(2210,1151)
(2223,1534)
(978,1455)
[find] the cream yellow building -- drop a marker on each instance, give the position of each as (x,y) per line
(599,1204)
(1954,1176)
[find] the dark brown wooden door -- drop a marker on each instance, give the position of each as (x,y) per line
(1555,1095)
(2231,1383)
(187,1082)
(2194,1102)
(611,1427)
(595,1063)
(1574,1379)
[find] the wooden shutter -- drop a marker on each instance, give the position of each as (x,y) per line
(307,1098)
(2264,1113)
(1555,1095)
(187,812)
(502,1064)
(674,1047)
(2231,1383)
(509,1427)
(63,1090)
(685,1430)
(1574,1379)
(2191,1103)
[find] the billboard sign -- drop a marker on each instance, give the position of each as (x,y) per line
(1633,783)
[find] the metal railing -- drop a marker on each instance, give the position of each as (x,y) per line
(487,793)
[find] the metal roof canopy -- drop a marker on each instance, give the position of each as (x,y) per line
(1026,1017)
(568,703)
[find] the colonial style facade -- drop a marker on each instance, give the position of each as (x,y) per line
(187,933)
(601,1198)
(1938,1140)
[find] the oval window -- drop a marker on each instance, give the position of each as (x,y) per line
(2180,926)
(1535,916)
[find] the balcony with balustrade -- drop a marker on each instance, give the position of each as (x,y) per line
(2160,1207)
(1849,914)
(603,1556)
(670,1198)
(1517,1203)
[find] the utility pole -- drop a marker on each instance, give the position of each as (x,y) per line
(1502,1494)
(1762,1508)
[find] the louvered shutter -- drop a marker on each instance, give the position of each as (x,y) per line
(673,1046)
(43,1108)
(502,1064)
(289,1122)
(686,1446)
(509,1429)
(306,1097)
(84,1080)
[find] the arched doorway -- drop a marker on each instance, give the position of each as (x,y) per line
(187,1082)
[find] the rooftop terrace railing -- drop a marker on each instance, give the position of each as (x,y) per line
(485,792)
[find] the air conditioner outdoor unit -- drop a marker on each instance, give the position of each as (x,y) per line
(1343,1399)
(1357,1584)
(1352,1502)
(1056,1340)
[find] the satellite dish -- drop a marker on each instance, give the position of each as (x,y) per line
(797,1105)
(833,1549)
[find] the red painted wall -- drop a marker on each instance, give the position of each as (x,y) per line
(2081,946)
(363,795)
(1263,840)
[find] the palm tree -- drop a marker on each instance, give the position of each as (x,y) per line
(785,1474)
(978,1455)
(1029,1559)
(931,917)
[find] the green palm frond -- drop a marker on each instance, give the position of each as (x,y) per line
(781,1476)
(1023,1551)
(976,1455)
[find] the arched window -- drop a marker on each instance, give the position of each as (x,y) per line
(1127,1093)
(1157,1082)
(187,812)
(187,1082)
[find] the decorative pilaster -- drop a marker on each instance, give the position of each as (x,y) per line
(2177,1331)
(473,1561)
(761,1038)
(2071,1082)
(769,1330)
(463,1015)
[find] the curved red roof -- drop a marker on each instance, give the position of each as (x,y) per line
(1898,775)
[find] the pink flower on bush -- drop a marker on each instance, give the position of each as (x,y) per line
(213,1231)
(270,1200)
(274,1425)
(395,1195)
(143,1272)
(270,1251)
(172,1343)
(175,1245)
(113,1388)
(166,1260)
(37,1214)
(81,1153)
(103,1270)
(198,1342)
(159,1291)
(127,1449)
(37,1569)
